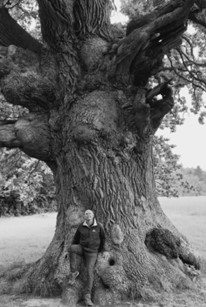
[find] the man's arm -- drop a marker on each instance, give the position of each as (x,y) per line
(76,239)
(102,239)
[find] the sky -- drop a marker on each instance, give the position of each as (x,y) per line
(190,141)
(189,138)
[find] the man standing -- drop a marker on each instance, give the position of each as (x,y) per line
(88,241)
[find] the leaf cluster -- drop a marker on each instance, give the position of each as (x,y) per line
(25,12)
(197,178)
(26,184)
(169,176)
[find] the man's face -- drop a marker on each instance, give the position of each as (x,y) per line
(88,215)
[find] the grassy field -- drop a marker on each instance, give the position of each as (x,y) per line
(26,238)
(188,214)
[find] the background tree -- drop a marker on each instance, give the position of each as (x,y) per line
(27,185)
(96,97)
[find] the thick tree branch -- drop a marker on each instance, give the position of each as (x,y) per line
(144,47)
(8,135)
(201,4)
(146,112)
(139,22)
(58,32)
(56,21)
(92,19)
(198,13)
(28,90)
(31,134)
(21,81)
(11,33)
(159,108)
(156,90)
(138,113)
(199,19)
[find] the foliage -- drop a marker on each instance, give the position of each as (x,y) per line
(135,8)
(26,185)
(8,111)
(170,181)
(26,14)
(196,177)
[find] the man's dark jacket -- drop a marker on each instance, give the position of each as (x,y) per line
(91,238)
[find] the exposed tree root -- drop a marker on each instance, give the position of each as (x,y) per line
(136,266)
(119,275)
(164,242)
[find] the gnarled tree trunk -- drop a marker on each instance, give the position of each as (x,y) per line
(92,120)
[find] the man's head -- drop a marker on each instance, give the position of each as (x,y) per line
(89,215)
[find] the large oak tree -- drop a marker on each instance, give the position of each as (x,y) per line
(92,93)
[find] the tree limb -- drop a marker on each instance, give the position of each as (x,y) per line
(159,108)
(146,111)
(28,90)
(146,19)
(201,4)
(92,19)
(11,33)
(58,32)
(198,19)
(192,74)
(8,135)
(31,134)
(200,84)
(163,29)
(190,45)
(157,90)
(21,81)
(56,21)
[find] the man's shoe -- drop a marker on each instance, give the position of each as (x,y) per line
(72,277)
(87,300)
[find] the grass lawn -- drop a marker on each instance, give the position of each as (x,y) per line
(188,214)
(26,239)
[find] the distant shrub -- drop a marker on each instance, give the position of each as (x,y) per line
(26,185)
(11,204)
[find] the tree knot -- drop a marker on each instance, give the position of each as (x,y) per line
(163,241)
(117,234)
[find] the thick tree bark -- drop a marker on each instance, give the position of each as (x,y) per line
(95,132)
